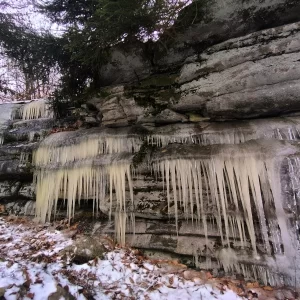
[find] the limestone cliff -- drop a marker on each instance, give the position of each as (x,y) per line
(194,145)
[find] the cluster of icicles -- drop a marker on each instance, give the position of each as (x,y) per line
(230,137)
(230,183)
(54,150)
(227,133)
(227,186)
(228,259)
(108,181)
(35,110)
(232,188)
(85,183)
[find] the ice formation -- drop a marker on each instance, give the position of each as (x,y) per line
(80,183)
(24,157)
(5,115)
(83,169)
(66,147)
(237,186)
(230,137)
(229,260)
(227,133)
(164,140)
(36,109)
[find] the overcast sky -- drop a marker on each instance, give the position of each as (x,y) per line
(29,14)
(24,12)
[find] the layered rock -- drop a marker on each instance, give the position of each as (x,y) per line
(19,141)
(250,77)
(159,163)
(223,199)
(199,26)
(262,80)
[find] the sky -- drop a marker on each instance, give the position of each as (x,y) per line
(24,12)
(30,15)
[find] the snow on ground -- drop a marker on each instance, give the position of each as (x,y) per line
(33,266)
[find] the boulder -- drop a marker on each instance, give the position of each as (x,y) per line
(85,248)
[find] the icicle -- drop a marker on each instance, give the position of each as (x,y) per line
(230,182)
(227,133)
(228,259)
(196,257)
(1,139)
(120,226)
(31,136)
(84,183)
(86,147)
(274,176)
(35,110)
(161,140)
(24,157)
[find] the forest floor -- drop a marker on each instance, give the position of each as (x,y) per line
(35,264)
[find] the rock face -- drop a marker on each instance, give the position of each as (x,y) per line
(199,26)
(200,159)
(126,64)
(217,21)
(255,76)
(117,110)
(20,138)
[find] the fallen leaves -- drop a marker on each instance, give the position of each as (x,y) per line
(26,275)
(131,280)
(2,209)
(268,288)
(30,295)
(191,275)
(251,285)
(238,289)
(24,241)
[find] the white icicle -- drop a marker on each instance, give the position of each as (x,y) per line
(36,109)
(83,183)
(230,181)
(85,147)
